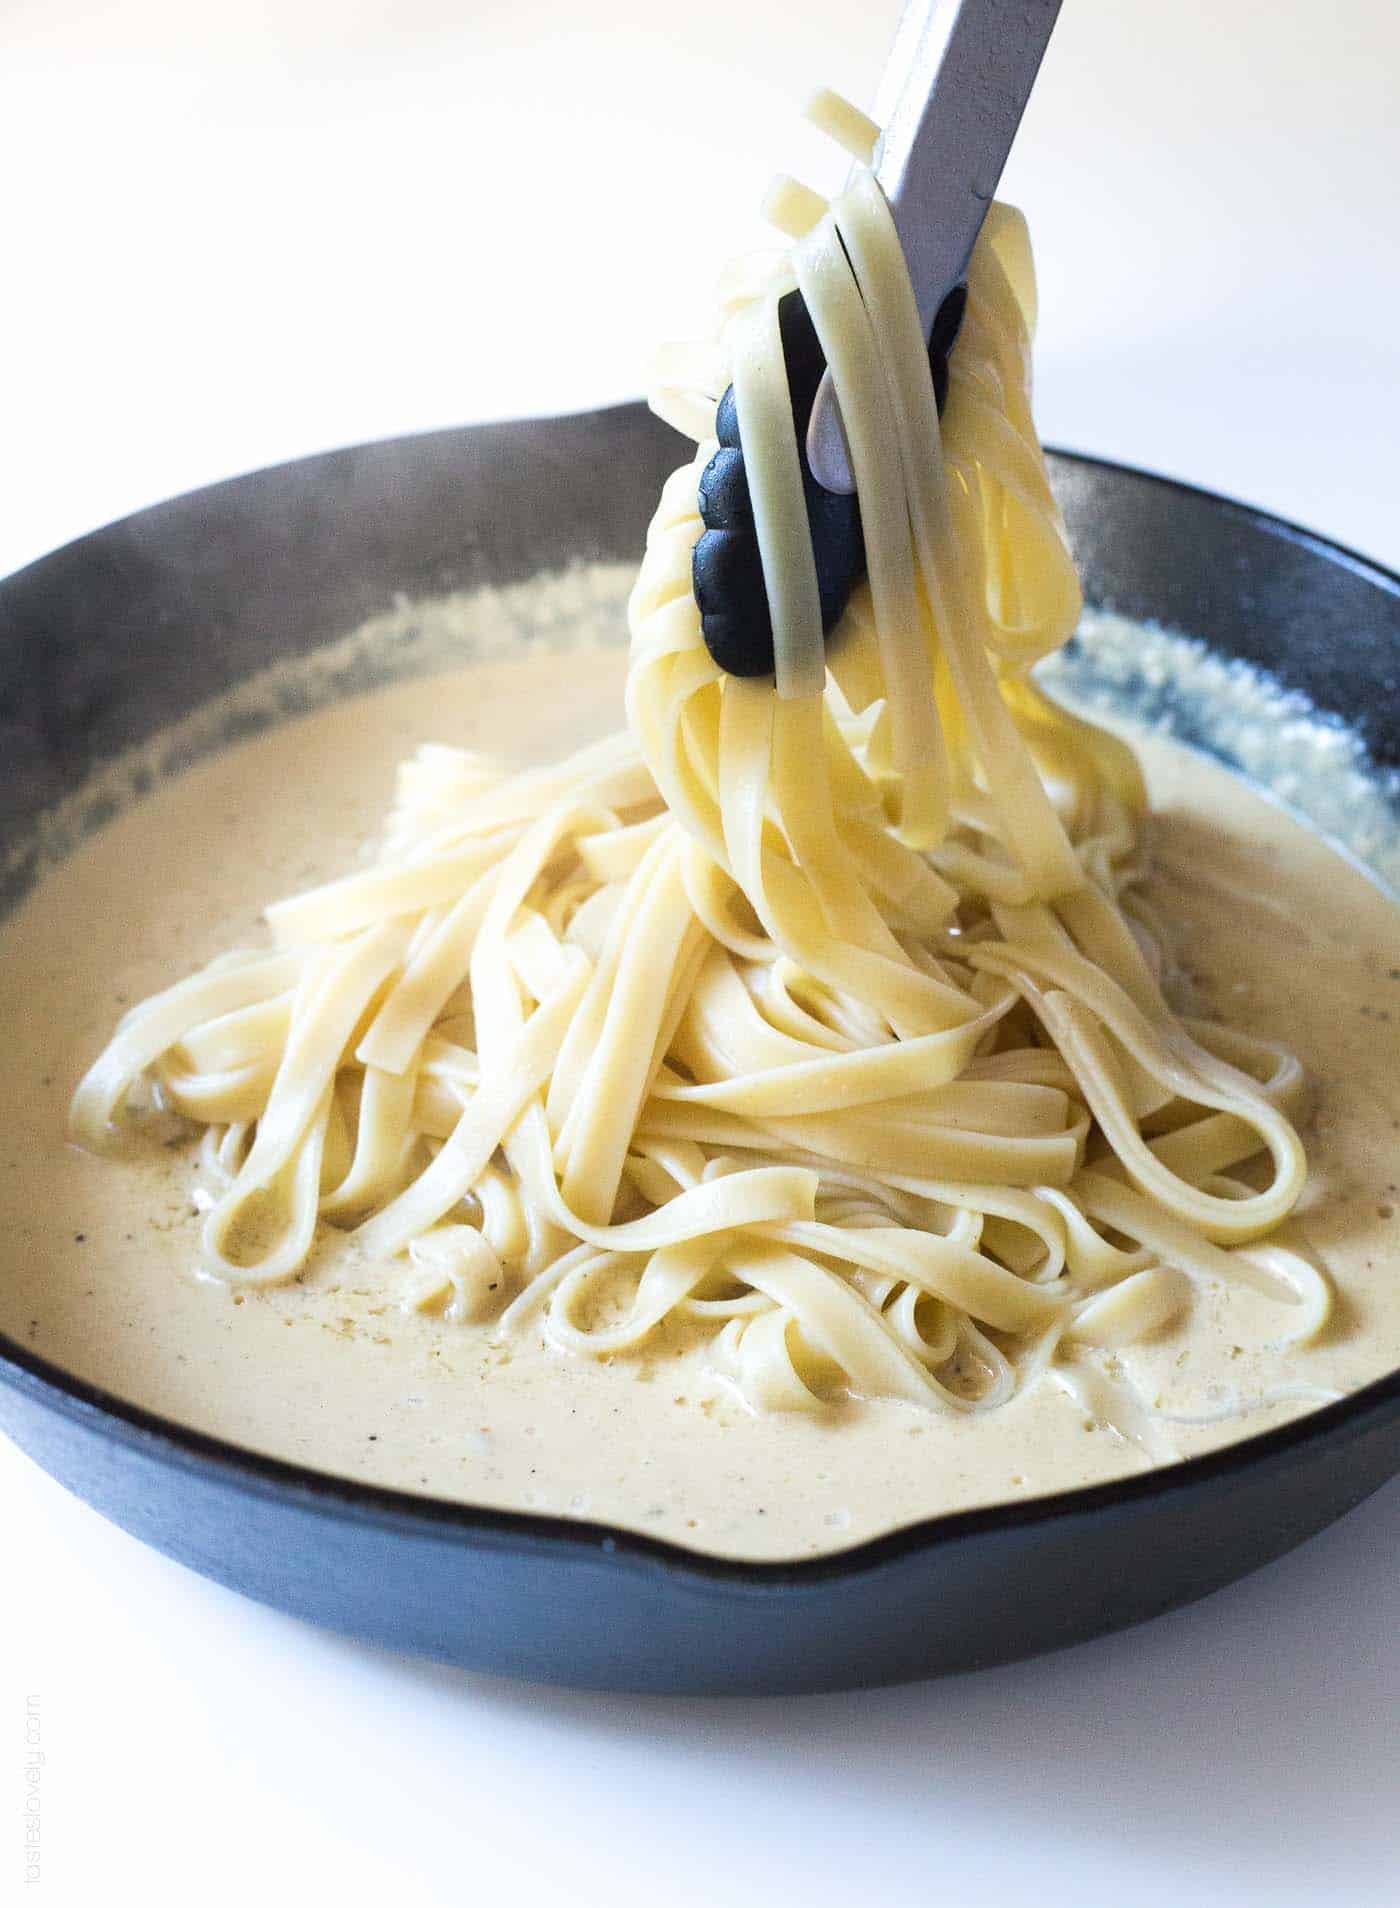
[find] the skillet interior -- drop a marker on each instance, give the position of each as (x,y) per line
(122,633)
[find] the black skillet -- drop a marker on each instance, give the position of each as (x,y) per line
(127,630)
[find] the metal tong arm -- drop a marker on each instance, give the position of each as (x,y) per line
(951,97)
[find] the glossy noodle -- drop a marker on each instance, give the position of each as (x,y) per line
(817,1014)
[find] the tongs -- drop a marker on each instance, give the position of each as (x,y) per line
(952,95)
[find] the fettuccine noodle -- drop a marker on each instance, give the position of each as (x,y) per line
(815,1015)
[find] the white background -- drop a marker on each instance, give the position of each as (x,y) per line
(235,233)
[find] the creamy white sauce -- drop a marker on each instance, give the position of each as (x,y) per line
(1276,932)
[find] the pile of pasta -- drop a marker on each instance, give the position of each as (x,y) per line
(818,1017)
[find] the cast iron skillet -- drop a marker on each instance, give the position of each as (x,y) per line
(115,636)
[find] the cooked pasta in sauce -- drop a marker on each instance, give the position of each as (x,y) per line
(335,1368)
(810,1055)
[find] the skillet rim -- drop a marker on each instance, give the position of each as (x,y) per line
(166,1441)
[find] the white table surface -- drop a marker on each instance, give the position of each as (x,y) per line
(235,233)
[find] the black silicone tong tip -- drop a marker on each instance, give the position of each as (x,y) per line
(726,569)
